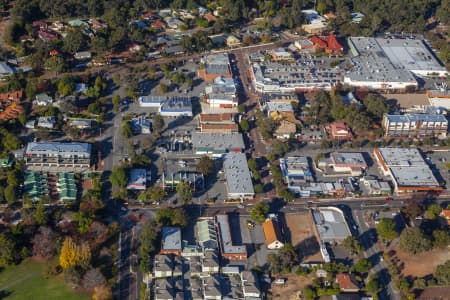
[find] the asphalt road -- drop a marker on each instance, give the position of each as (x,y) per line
(373,253)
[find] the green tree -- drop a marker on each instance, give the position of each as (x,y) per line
(74,41)
(148,243)
(279,148)
(252,164)
(259,211)
(352,244)
(441,238)
(433,211)
(119,177)
(66,85)
(184,192)
(413,241)
(40,214)
(127,130)
(172,217)
(157,193)
(55,63)
(442,274)
(245,126)
(373,286)
(10,194)
(376,105)
(362,266)
(10,142)
(9,253)
(309,293)
(116,103)
(158,123)
(163,88)
(205,165)
(241,108)
(258,188)
(386,229)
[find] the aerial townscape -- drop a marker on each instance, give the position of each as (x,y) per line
(225,149)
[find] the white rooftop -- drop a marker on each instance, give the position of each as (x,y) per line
(171,238)
(237,174)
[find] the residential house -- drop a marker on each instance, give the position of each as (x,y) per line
(46,122)
(5,70)
(210,262)
(445,213)
(159,25)
(212,289)
(339,131)
(82,55)
(209,17)
(162,266)
(195,266)
(173,23)
(346,283)
(47,36)
(272,234)
(137,179)
(43,100)
(250,285)
(206,235)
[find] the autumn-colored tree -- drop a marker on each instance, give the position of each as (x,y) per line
(102,292)
(73,254)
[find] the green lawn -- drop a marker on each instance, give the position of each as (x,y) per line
(27,281)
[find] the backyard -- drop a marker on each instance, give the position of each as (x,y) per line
(27,281)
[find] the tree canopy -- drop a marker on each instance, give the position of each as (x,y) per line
(259,211)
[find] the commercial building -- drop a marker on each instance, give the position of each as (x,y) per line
(217,144)
(415,125)
(217,65)
(171,180)
(222,93)
(407,169)
(141,124)
(296,170)
(137,179)
(330,224)
(316,23)
(227,248)
(348,162)
(412,55)
(238,179)
(272,234)
(280,54)
(171,240)
(168,106)
(299,76)
(329,44)
(218,123)
(372,69)
(69,156)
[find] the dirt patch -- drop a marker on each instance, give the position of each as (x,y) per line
(300,231)
(291,289)
(407,100)
(420,265)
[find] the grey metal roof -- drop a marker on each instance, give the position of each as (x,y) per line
(66,150)
(217,64)
(177,104)
(411,54)
(279,106)
(331,224)
(218,141)
(5,70)
(226,240)
(237,174)
(417,118)
(348,158)
(171,238)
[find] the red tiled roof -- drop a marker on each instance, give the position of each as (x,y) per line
(11,96)
(215,117)
(345,282)
(318,42)
(209,17)
(329,43)
(158,24)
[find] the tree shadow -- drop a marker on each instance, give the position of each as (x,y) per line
(4,294)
